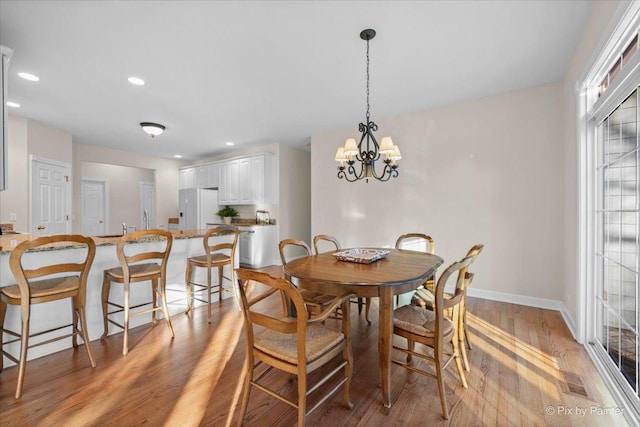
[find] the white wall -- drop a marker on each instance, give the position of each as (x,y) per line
(166,173)
(599,19)
(295,197)
(26,138)
(485,171)
(124,193)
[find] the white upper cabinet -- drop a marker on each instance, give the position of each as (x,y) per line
(187,178)
(248,180)
(208,176)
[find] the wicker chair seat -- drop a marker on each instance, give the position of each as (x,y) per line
(320,338)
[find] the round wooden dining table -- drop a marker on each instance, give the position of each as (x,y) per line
(401,271)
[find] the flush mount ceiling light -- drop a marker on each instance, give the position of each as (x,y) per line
(152,129)
(365,153)
(229,143)
(13,104)
(29,77)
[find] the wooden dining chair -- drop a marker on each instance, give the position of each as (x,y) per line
(216,255)
(57,281)
(298,346)
(419,242)
(335,245)
(315,302)
(427,300)
(133,269)
(434,329)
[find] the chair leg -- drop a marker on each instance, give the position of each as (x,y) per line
(463,351)
(74,313)
(456,355)
(209,287)
(165,307)
(347,353)
(24,345)
(189,287)
(246,390)
(438,353)
(360,304)
(367,306)
(302,396)
(85,335)
(465,334)
(411,346)
(154,300)
(106,286)
(3,312)
(234,287)
(125,342)
(220,279)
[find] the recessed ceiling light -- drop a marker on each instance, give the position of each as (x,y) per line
(13,104)
(229,143)
(136,81)
(177,156)
(29,77)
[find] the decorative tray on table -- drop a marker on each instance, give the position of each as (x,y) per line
(361,256)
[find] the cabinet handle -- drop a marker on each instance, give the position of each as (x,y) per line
(40,227)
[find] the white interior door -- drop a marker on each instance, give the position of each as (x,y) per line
(94,218)
(50,189)
(148,202)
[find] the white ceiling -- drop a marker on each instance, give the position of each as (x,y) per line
(258,72)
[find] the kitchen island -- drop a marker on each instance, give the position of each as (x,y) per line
(186,243)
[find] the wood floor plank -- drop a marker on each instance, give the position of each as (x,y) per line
(519,362)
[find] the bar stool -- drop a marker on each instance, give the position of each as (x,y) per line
(216,256)
(28,291)
(132,271)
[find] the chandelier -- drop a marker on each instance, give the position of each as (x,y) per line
(358,161)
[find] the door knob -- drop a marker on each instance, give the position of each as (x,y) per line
(100,222)
(40,227)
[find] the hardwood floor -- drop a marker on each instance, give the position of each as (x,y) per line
(525,370)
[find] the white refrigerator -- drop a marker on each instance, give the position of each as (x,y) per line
(197,207)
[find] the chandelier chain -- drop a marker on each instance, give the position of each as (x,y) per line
(368,81)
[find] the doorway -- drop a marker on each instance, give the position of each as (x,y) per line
(50,196)
(147,205)
(95,206)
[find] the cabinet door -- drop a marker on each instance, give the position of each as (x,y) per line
(187,178)
(246,249)
(245,181)
(223,187)
(233,181)
(202,176)
(213,175)
(258,179)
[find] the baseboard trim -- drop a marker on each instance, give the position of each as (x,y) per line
(547,304)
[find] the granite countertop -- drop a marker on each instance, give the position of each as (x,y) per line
(7,243)
(242,223)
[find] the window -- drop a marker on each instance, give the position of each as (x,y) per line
(618,234)
(609,134)
(622,60)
